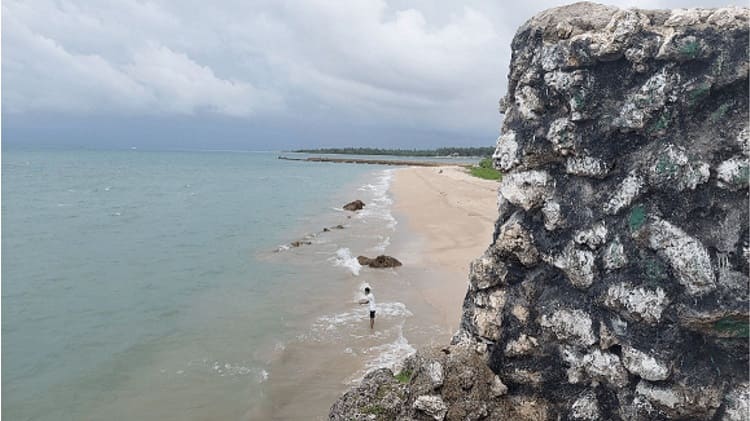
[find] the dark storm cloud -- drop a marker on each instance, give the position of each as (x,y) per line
(371,63)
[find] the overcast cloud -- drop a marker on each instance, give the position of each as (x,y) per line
(266,73)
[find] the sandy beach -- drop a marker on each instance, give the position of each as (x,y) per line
(453,215)
(435,221)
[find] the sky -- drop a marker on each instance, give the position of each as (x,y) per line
(261,75)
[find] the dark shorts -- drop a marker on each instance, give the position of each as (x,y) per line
(372,314)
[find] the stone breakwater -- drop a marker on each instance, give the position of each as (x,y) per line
(616,284)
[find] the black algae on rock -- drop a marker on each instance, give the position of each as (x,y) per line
(616,284)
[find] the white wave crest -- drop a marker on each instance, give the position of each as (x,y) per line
(348,319)
(345,259)
(389,355)
(379,207)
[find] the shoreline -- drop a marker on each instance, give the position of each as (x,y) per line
(393,162)
(452,214)
(419,303)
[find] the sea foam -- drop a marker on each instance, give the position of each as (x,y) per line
(345,259)
(379,208)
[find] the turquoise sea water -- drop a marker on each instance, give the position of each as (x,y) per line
(135,284)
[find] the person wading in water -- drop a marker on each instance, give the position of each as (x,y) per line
(370,301)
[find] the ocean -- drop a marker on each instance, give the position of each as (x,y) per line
(164,285)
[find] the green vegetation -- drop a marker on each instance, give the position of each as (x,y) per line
(743,177)
(485,170)
(452,151)
(739,328)
(698,93)
(720,112)
(374,410)
(637,217)
(660,124)
(404,376)
(654,270)
(666,166)
(579,100)
(690,49)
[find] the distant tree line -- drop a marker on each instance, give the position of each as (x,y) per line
(451,151)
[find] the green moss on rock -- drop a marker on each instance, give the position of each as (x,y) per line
(736,327)
(637,217)
(404,376)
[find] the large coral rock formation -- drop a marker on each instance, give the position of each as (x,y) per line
(616,285)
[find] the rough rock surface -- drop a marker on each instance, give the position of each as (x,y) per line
(354,206)
(616,284)
(381,261)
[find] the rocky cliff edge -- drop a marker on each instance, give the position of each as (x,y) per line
(616,284)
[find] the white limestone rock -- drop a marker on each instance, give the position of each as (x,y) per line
(644,365)
(514,239)
(552,54)
(614,256)
(631,187)
(558,80)
(641,105)
(686,255)
(587,166)
(505,156)
(683,17)
(527,189)
(552,215)
(579,265)
(431,405)
(486,272)
(498,388)
(523,345)
(570,325)
(672,169)
(680,47)
(623,25)
(592,237)
(680,401)
(606,337)
(528,102)
(562,135)
(488,313)
(435,373)
(585,408)
(734,173)
(520,312)
(737,403)
(641,303)
(729,17)
(743,139)
(594,367)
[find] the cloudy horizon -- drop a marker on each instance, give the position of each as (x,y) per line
(260,75)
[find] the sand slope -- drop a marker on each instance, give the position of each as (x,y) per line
(454,214)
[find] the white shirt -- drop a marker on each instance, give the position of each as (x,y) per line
(370,301)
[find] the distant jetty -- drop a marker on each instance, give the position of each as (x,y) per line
(372,161)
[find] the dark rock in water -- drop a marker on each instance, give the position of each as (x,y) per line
(326,229)
(339,227)
(355,205)
(300,243)
(616,286)
(381,261)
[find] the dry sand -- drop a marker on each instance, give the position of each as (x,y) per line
(453,215)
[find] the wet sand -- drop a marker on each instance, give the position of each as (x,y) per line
(443,220)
